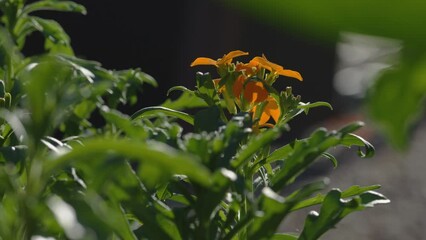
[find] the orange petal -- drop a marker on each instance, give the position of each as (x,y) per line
(272,109)
(238,86)
(255,92)
(290,73)
(264,118)
(249,68)
(265,63)
(203,61)
(231,55)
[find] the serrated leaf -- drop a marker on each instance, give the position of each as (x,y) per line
(350,192)
(355,140)
(275,208)
(257,142)
(306,151)
(334,209)
(206,89)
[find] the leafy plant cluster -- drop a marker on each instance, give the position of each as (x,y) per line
(141,176)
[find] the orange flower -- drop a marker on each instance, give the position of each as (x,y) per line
(275,68)
(226,59)
(249,69)
(253,92)
(270,110)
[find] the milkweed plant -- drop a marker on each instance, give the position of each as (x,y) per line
(200,166)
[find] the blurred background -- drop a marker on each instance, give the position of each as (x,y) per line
(366,58)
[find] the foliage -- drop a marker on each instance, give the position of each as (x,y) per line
(142,176)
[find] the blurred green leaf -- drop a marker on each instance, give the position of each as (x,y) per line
(66,6)
(325,19)
(284,236)
(56,39)
(207,119)
(123,123)
(153,111)
(14,154)
(396,100)
(50,93)
(155,153)
(331,158)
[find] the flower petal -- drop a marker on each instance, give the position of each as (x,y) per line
(231,55)
(203,61)
(264,118)
(265,63)
(237,88)
(290,73)
(272,109)
(255,92)
(249,69)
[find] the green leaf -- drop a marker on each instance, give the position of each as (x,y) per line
(302,17)
(284,236)
(136,76)
(254,145)
(275,208)
(207,119)
(186,100)
(179,88)
(156,154)
(355,140)
(334,209)
(9,56)
(65,6)
(154,111)
(50,89)
(114,191)
(307,106)
(56,39)
(306,151)
(123,123)
(331,158)
(384,97)
(236,132)
(319,198)
(14,154)
(206,89)
(209,199)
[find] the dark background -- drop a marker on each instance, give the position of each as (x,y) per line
(162,38)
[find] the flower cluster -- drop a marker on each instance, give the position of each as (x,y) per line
(249,85)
